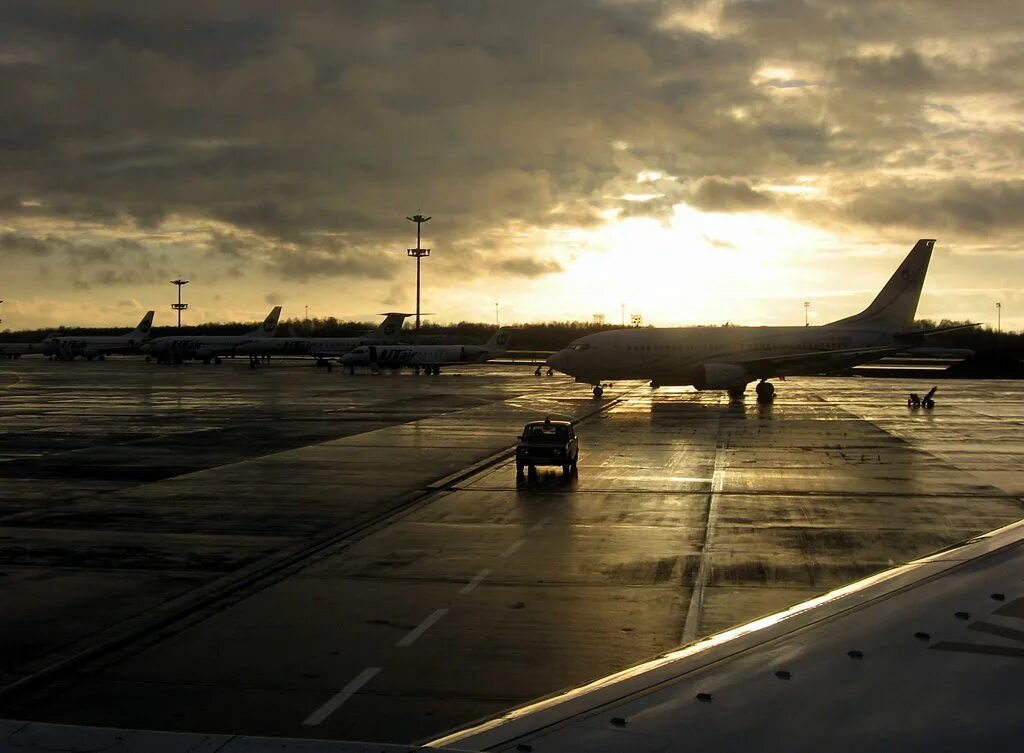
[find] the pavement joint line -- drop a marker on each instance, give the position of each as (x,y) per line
(477,579)
(341,696)
(409,638)
(700,581)
(512,548)
(541,523)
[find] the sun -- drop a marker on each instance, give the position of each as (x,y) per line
(696,267)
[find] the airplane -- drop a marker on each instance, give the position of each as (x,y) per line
(428,357)
(206,348)
(324,348)
(729,358)
(68,347)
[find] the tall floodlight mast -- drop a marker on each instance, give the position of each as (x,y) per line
(419,253)
(179,306)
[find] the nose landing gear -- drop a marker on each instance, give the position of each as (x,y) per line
(598,390)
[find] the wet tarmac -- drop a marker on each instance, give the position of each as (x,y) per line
(291,552)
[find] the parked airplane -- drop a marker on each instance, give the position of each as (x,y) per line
(323,348)
(428,357)
(206,348)
(729,358)
(68,347)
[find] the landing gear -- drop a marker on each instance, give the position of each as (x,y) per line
(101,357)
(217,360)
(765,391)
(736,393)
(598,390)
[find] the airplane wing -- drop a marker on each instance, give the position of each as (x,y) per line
(926,656)
(813,362)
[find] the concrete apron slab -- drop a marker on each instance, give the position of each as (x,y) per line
(211,532)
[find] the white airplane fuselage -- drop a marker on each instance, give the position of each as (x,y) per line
(704,357)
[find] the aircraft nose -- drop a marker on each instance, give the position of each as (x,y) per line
(557,361)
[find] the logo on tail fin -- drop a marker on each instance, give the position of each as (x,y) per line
(389,329)
(501,339)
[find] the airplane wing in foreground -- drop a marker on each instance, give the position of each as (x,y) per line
(926,656)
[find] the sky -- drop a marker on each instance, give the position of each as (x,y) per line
(689,162)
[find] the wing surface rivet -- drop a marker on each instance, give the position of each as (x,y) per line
(855,654)
(705,697)
(922,636)
(784,674)
(618,721)
(999,597)
(962,615)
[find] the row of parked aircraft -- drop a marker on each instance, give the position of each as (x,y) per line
(708,358)
(379,348)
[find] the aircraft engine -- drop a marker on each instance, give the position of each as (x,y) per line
(721,376)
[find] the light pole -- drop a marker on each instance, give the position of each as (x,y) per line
(419,253)
(497,321)
(179,306)
(998,323)
(807,309)
(1,320)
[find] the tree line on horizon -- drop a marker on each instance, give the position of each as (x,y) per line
(531,336)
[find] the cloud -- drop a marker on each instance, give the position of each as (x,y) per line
(719,195)
(959,206)
(303,264)
(525,266)
(290,141)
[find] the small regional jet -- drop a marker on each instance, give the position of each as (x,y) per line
(729,358)
(206,348)
(324,348)
(66,348)
(428,357)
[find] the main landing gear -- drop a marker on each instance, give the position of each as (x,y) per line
(765,391)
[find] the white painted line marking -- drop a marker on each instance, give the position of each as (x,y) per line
(512,548)
(341,696)
(468,588)
(704,570)
(541,523)
(420,629)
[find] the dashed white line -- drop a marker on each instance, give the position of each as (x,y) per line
(341,696)
(541,523)
(512,548)
(420,629)
(468,588)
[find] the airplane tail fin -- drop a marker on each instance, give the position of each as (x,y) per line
(144,330)
(894,307)
(269,325)
(499,341)
(391,327)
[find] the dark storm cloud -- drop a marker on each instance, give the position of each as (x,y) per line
(317,127)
